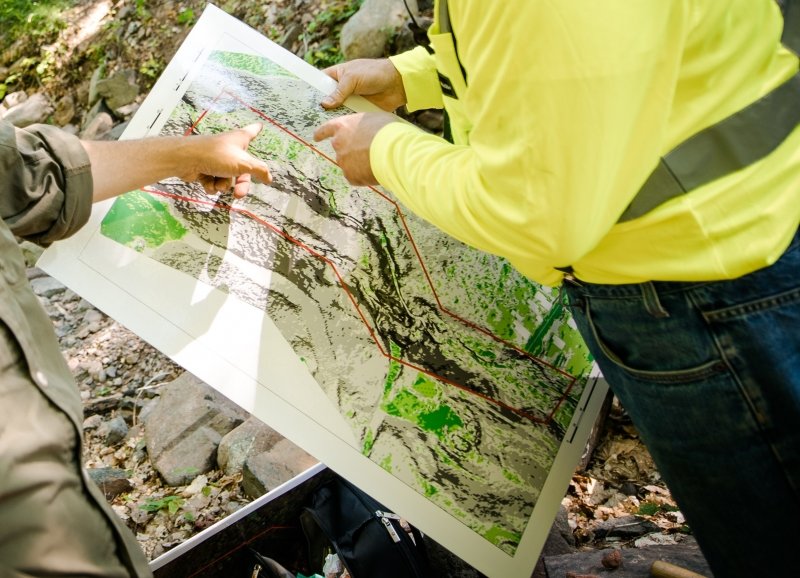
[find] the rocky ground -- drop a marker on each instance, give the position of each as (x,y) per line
(117,374)
(617,499)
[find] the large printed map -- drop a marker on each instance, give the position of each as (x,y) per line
(452,372)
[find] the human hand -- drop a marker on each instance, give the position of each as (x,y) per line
(351,136)
(221,162)
(375,79)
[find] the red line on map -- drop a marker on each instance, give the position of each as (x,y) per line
(350,296)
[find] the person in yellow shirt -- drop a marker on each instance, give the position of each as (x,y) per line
(645,156)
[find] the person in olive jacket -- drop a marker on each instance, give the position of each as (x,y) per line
(55,522)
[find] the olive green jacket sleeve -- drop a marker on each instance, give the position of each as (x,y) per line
(47,182)
(46,195)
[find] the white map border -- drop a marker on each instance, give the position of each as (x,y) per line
(225,342)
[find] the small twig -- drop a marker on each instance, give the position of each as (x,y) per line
(661,569)
(148,386)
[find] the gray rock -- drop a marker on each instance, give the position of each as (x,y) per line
(113,431)
(88,116)
(34,273)
(251,438)
(92,422)
(98,127)
(119,89)
(65,111)
(404,39)
(369,30)
(111,481)
(128,110)
(636,562)
(148,405)
(625,527)
(15,98)
(559,541)
(102,405)
(96,76)
(34,109)
(117,131)
(83,305)
(124,12)
(290,36)
(267,471)
(92,315)
(47,287)
(184,429)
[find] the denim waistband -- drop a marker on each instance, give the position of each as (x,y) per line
(627,290)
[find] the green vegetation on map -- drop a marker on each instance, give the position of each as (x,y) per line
(251,63)
(424,410)
(394,369)
(535,319)
(498,536)
(369,441)
(139,220)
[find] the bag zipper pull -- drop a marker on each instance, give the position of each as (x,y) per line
(390,515)
(385,519)
(403,523)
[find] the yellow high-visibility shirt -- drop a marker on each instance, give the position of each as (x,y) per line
(564,112)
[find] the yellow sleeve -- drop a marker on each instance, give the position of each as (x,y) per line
(568,104)
(420,81)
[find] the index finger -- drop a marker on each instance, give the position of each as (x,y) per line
(325,131)
(259,170)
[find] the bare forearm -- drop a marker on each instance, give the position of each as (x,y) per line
(121,166)
(219,162)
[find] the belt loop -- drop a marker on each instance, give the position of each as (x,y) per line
(651,302)
(569,275)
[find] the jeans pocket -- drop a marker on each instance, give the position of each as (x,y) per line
(675,376)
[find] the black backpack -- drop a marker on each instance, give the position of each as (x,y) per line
(370,540)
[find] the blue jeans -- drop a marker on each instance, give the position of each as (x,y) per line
(710,374)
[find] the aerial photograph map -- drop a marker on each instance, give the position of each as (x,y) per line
(456,374)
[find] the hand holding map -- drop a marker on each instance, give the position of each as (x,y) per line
(351,137)
(376,80)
